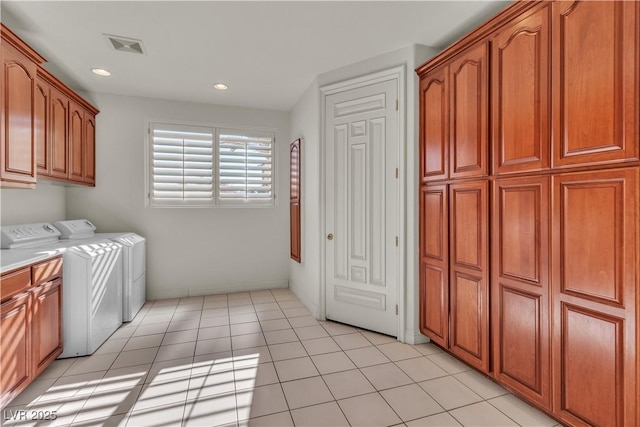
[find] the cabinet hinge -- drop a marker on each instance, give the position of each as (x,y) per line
(396,309)
(397,173)
(397,104)
(397,241)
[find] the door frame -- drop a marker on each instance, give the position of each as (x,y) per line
(398,74)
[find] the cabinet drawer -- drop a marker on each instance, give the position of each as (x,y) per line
(14,283)
(46,271)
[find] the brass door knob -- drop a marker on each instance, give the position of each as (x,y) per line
(330,236)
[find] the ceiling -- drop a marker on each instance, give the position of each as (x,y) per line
(267,52)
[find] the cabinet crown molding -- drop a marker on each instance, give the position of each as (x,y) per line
(9,36)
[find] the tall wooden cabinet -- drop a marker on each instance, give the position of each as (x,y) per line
(550,306)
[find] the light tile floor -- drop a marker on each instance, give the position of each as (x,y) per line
(260,358)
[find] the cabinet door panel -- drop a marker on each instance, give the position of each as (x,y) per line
(469,82)
(18,163)
(47,324)
(469,269)
(434,264)
(41,104)
(15,340)
(76,143)
(59,134)
(520,286)
(89,149)
(434,129)
(594,273)
(595,57)
(520,95)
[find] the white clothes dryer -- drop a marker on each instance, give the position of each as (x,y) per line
(133,266)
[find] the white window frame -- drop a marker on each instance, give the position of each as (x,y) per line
(216,202)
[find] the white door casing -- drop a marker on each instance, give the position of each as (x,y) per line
(361,206)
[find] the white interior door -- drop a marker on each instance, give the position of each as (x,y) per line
(361,185)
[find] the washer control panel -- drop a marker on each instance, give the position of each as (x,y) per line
(27,235)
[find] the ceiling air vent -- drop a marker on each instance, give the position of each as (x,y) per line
(124,44)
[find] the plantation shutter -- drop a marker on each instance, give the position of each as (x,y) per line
(182,165)
(245,167)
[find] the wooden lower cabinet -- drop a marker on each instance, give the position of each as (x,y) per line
(46,325)
(469,272)
(30,325)
(434,263)
(595,297)
(15,342)
(520,286)
(454,282)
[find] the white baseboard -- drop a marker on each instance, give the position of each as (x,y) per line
(413,336)
(168,293)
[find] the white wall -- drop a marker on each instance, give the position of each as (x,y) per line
(305,280)
(190,251)
(44,204)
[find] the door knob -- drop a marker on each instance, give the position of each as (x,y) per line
(330,236)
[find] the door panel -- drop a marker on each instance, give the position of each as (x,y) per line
(41,104)
(76,143)
(434,269)
(520,95)
(434,125)
(89,149)
(47,324)
(520,286)
(15,340)
(18,163)
(469,80)
(595,57)
(59,134)
(595,296)
(361,210)
(469,269)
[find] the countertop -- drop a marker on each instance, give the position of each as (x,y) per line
(11,259)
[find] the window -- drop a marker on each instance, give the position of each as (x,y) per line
(245,163)
(207,166)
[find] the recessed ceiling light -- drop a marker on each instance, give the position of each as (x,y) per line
(101,72)
(220,86)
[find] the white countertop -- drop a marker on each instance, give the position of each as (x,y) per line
(11,259)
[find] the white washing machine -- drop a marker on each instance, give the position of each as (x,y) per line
(134,261)
(91,283)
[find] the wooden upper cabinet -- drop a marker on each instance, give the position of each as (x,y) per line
(469,104)
(520,99)
(595,61)
(41,102)
(520,286)
(434,125)
(469,272)
(17,144)
(76,143)
(90,148)
(434,263)
(594,275)
(59,135)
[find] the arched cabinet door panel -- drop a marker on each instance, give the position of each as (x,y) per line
(595,59)
(520,99)
(434,125)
